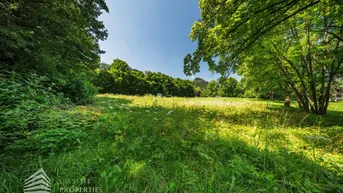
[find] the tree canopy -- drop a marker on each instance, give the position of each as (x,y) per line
(296,43)
(54,38)
(45,36)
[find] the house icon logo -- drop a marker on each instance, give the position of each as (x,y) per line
(38,182)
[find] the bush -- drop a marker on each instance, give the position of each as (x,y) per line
(16,88)
(22,115)
(21,99)
(76,87)
(48,141)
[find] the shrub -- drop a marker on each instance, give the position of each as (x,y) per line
(48,140)
(76,87)
(16,88)
(23,118)
(21,100)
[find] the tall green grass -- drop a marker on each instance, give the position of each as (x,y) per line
(154,144)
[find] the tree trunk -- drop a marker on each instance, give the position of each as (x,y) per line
(287,102)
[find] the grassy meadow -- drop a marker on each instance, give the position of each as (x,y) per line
(156,144)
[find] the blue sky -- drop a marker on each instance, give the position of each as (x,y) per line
(152,35)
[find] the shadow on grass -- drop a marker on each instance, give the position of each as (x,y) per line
(134,149)
(180,152)
(334,118)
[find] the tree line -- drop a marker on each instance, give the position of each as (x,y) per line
(120,78)
(244,88)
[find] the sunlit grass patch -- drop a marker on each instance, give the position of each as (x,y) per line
(157,144)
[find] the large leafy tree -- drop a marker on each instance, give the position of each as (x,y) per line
(261,78)
(301,40)
(49,36)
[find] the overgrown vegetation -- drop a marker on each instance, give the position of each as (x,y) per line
(55,39)
(154,144)
(21,101)
(154,141)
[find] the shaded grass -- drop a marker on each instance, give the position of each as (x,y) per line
(149,144)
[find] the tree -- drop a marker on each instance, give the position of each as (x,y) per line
(307,57)
(53,38)
(227,87)
(119,65)
(240,88)
(301,39)
(261,78)
(233,26)
(212,89)
(104,81)
(46,36)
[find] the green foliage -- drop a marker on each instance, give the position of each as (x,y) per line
(119,78)
(240,88)
(21,101)
(200,86)
(261,80)
(77,87)
(48,141)
(212,89)
(49,36)
(153,144)
(25,126)
(56,39)
(56,130)
(104,81)
(227,87)
(224,87)
(16,89)
(282,45)
(227,29)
